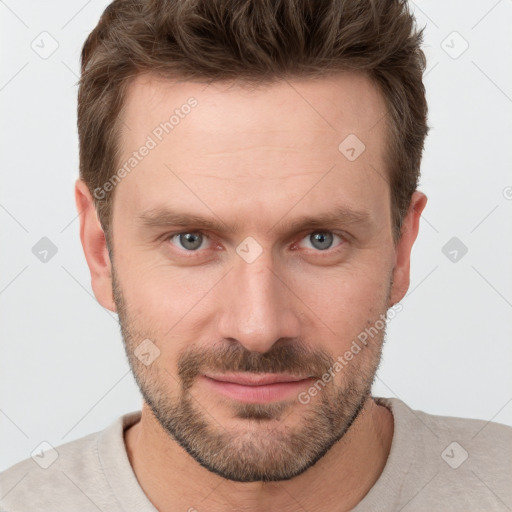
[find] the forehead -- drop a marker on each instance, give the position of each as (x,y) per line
(252,146)
(334,104)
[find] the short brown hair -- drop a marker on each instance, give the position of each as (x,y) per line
(254,41)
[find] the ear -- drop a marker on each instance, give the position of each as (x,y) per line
(95,246)
(409,232)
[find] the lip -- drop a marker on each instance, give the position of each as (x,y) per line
(256,388)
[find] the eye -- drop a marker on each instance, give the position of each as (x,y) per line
(321,240)
(190,241)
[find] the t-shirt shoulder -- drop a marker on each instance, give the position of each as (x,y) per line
(443,463)
(482,440)
(67,477)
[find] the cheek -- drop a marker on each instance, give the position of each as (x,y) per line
(164,299)
(345,300)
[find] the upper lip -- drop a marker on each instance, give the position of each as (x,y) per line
(255,379)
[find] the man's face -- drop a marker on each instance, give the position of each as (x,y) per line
(265,289)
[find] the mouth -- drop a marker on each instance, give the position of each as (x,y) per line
(256,388)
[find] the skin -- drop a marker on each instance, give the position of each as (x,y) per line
(262,157)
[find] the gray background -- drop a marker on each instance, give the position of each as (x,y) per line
(63,372)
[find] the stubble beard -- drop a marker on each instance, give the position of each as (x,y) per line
(267,449)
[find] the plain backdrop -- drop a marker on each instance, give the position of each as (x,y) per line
(63,371)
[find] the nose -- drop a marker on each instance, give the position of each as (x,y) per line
(257,307)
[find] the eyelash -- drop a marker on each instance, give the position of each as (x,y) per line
(330,251)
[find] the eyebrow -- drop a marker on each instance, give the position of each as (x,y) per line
(160,217)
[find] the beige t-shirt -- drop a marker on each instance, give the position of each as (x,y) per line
(436,463)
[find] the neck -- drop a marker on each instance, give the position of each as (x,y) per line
(173,480)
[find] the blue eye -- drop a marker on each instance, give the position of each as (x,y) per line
(194,241)
(190,241)
(321,240)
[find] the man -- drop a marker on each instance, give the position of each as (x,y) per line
(248,175)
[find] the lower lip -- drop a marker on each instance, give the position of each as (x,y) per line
(257,394)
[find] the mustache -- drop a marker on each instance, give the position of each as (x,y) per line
(291,357)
